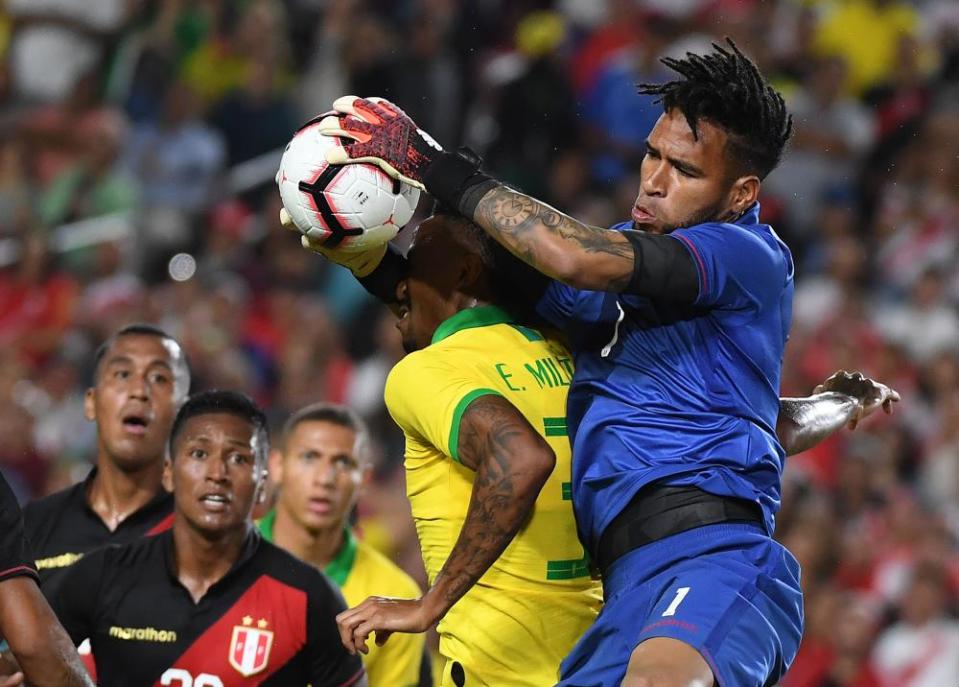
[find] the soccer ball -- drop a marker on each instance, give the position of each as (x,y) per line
(345,207)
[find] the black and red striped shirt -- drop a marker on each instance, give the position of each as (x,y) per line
(270,621)
(15,558)
(62,528)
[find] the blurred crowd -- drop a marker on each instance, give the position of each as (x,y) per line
(138,141)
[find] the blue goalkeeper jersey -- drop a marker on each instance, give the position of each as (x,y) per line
(684,394)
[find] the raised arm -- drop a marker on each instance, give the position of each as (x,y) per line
(512,463)
(844,398)
(561,247)
(557,245)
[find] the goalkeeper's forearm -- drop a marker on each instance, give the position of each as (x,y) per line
(551,242)
(383,281)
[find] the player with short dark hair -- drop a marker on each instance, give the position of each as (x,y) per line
(143,329)
(141,377)
(678,321)
(321,465)
(209,602)
(42,649)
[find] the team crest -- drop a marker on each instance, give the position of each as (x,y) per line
(250,647)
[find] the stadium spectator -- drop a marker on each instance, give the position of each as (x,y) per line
(832,132)
(36,301)
(922,648)
(866,33)
(52,132)
(235,39)
(93,185)
(619,119)
(73,34)
(177,157)
(536,112)
(257,117)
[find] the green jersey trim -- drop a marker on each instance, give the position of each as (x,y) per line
(480,316)
(458,417)
(339,568)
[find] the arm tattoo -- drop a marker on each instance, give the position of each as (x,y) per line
(539,234)
(510,461)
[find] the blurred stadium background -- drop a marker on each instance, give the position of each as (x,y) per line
(138,140)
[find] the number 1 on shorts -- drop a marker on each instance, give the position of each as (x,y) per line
(680,595)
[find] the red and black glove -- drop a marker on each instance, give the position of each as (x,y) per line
(385,136)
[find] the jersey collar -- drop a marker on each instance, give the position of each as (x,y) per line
(339,568)
(251,544)
(480,316)
(162,501)
(751,216)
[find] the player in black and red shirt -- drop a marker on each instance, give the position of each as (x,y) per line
(140,379)
(209,603)
(43,650)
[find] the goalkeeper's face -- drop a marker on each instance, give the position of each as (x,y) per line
(440,271)
(687,180)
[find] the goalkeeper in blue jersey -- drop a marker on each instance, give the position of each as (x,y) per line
(678,321)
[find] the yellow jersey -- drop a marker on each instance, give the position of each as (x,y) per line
(524,615)
(361,572)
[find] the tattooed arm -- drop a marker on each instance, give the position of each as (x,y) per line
(512,463)
(561,247)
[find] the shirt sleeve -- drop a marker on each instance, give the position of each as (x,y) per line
(427,396)
(330,664)
(557,303)
(75,601)
(15,556)
(737,269)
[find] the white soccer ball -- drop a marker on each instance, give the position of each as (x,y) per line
(347,207)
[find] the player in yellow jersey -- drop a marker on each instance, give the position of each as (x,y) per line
(320,467)
(482,402)
(481,399)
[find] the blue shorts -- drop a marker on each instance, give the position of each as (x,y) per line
(729,591)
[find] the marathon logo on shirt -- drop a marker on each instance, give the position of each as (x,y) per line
(142,634)
(64,560)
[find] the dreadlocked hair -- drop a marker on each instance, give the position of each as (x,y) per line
(727,89)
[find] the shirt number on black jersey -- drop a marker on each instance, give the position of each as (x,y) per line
(177,677)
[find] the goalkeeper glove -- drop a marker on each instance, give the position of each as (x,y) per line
(360,263)
(385,136)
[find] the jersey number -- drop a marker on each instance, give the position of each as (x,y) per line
(177,677)
(680,595)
